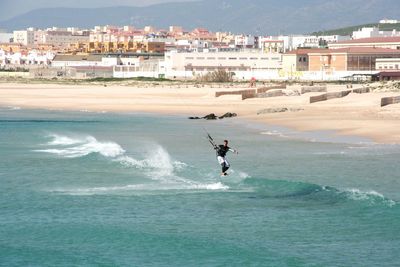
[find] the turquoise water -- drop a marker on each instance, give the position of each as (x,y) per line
(99,189)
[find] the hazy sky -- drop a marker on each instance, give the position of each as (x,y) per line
(11,8)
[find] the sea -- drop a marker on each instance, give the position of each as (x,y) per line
(107,189)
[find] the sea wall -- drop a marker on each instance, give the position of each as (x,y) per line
(252,93)
(274,93)
(385,101)
(269,88)
(240,92)
(313,89)
(329,96)
(364,90)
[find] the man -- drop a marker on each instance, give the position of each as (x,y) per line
(221,156)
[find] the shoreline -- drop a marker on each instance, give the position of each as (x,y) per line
(354,115)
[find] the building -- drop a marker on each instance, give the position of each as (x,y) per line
(244,41)
(118,47)
(271,46)
(389,21)
(77,60)
(6,37)
(62,39)
(373,32)
(388,64)
(176,30)
(378,42)
(244,65)
(353,59)
(26,37)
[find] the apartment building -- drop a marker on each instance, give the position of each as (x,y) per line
(331,60)
(373,32)
(244,64)
(63,38)
(119,47)
(377,42)
(388,64)
(6,37)
(25,37)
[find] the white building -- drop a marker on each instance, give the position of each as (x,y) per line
(245,65)
(6,37)
(244,41)
(175,29)
(26,37)
(389,21)
(78,61)
(268,45)
(372,32)
(388,64)
(288,43)
(63,38)
(2,58)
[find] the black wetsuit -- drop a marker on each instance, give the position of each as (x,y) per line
(221,152)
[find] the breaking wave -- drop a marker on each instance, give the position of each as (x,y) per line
(71,147)
(281,189)
(157,165)
(141,189)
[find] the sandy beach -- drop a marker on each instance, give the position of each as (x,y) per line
(355,114)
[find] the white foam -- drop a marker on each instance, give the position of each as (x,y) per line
(213,187)
(141,188)
(64,140)
(274,133)
(13,108)
(371,196)
(79,147)
(157,165)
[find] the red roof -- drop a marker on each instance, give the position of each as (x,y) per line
(372,40)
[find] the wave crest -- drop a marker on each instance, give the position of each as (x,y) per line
(80,147)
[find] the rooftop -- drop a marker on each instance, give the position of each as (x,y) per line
(372,40)
(349,50)
(78,58)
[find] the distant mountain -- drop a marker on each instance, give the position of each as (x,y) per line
(239,16)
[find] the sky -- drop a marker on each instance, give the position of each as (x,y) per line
(11,8)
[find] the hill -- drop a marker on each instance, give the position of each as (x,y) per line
(239,16)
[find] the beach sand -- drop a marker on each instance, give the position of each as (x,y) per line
(356,114)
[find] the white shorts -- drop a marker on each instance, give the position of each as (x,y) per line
(222,160)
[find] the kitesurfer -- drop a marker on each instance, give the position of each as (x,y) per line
(221,156)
